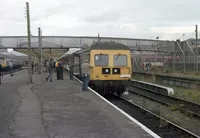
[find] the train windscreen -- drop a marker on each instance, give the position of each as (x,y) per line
(101,60)
(120,60)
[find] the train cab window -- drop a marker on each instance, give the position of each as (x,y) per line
(101,60)
(120,60)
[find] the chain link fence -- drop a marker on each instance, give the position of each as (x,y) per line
(148,55)
(183,59)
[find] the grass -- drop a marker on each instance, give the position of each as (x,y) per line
(172,113)
(161,70)
(179,92)
(187,94)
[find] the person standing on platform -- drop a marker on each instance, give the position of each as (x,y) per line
(1,70)
(61,69)
(11,67)
(71,71)
(57,70)
(32,65)
(50,69)
(85,69)
(54,64)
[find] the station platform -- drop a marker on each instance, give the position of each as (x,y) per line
(61,109)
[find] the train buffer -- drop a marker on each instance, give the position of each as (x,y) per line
(61,109)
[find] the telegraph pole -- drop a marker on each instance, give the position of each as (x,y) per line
(39,51)
(197,68)
(29,43)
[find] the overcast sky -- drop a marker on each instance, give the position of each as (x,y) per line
(168,19)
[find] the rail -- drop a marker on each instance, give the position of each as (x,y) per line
(187,82)
(188,106)
(153,121)
(153,87)
(150,120)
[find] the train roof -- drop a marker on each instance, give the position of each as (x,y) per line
(104,46)
(109,46)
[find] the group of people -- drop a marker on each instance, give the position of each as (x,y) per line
(54,66)
(58,66)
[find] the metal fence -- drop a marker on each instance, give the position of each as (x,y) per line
(164,56)
(83,41)
(183,59)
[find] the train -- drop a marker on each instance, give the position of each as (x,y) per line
(17,61)
(112,66)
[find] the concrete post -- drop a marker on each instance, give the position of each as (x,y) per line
(29,44)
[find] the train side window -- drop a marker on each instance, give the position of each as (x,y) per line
(120,60)
(101,60)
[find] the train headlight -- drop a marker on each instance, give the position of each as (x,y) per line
(116,71)
(105,70)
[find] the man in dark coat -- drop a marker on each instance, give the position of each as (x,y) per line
(50,69)
(57,70)
(1,70)
(61,69)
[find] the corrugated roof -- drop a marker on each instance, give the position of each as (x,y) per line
(6,55)
(71,51)
(18,54)
(12,54)
(3,50)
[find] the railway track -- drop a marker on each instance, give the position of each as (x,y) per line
(185,106)
(155,123)
(170,76)
(187,82)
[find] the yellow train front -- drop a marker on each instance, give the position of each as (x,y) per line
(111,66)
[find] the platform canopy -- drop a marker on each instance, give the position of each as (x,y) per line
(6,55)
(71,51)
(18,54)
(12,54)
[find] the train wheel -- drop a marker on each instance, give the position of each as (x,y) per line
(105,91)
(100,90)
(120,90)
